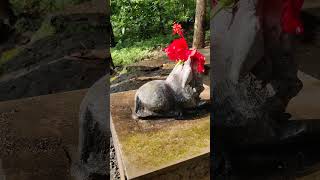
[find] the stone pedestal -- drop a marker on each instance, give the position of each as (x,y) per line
(159,148)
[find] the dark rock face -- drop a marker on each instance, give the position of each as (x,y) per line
(48,66)
(89,32)
(170,97)
(64,74)
(94,133)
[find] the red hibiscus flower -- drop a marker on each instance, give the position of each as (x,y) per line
(177,29)
(290,19)
(199,59)
(178,50)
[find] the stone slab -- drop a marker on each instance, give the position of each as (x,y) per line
(148,147)
(306,105)
(39,135)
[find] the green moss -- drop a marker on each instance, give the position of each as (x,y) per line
(9,54)
(154,149)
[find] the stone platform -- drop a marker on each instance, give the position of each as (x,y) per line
(159,149)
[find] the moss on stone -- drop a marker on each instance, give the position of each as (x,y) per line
(158,148)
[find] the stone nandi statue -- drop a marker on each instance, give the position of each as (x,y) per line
(171,97)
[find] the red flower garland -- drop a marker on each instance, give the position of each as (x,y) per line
(178,50)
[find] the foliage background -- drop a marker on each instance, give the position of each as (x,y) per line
(145,18)
(142,26)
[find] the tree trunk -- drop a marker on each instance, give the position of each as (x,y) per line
(199,24)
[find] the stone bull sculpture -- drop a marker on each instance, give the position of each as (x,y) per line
(171,97)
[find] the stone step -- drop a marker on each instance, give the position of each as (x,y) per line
(159,148)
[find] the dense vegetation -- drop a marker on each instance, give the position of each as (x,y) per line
(141,26)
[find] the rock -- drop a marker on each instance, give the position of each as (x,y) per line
(94,132)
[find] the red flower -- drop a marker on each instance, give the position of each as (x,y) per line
(290,19)
(199,59)
(177,29)
(178,50)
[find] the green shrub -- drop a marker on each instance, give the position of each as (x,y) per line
(143,19)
